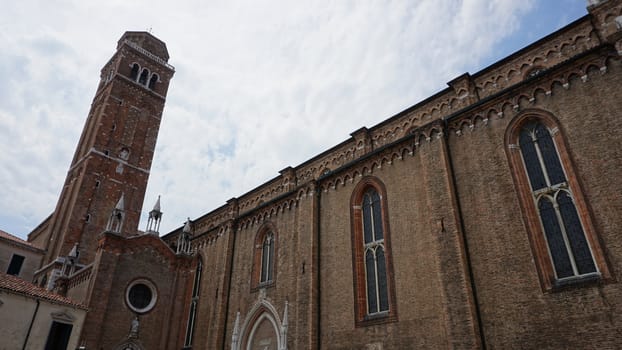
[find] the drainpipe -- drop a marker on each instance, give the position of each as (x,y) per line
(34,315)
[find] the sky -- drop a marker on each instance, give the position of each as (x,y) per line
(259,85)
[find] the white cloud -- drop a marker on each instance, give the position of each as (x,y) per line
(257,88)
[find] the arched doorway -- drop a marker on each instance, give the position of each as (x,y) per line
(263,335)
(262,329)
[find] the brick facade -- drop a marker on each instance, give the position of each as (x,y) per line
(464,267)
(467,260)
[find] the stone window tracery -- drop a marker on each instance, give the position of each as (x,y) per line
(373,274)
(264,257)
(563,238)
(267,258)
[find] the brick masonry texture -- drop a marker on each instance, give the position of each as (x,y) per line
(465,271)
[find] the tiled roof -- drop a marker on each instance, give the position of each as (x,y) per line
(19,286)
(15,239)
(7,235)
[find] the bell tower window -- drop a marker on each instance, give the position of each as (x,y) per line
(154,79)
(143,77)
(134,72)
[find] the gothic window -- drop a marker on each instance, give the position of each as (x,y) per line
(264,257)
(134,72)
(144,75)
(267,258)
(373,275)
(196,287)
(563,239)
(154,79)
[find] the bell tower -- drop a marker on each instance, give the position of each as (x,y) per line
(113,157)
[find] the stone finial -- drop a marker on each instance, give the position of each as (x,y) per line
(156,207)
(236,332)
(74,253)
(115,222)
(121,203)
(183,240)
(155,216)
(187,228)
(284,327)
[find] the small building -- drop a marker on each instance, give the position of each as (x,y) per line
(35,318)
(18,257)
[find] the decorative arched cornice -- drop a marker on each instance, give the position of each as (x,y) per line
(579,39)
(270,210)
(387,156)
(529,95)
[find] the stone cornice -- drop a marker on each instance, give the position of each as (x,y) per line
(542,86)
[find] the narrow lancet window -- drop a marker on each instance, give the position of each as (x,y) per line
(373,277)
(196,287)
(568,248)
(267,257)
(375,264)
(562,236)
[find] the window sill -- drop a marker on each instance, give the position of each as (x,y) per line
(377,318)
(577,281)
(376,315)
(263,285)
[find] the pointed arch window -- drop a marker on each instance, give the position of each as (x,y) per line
(373,275)
(267,258)
(196,288)
(563,238)
(375,262)
(264,260)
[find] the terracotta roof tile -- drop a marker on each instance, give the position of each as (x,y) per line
(19,286)
(7,235)
(15,239)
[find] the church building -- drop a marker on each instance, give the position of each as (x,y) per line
(486,216)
